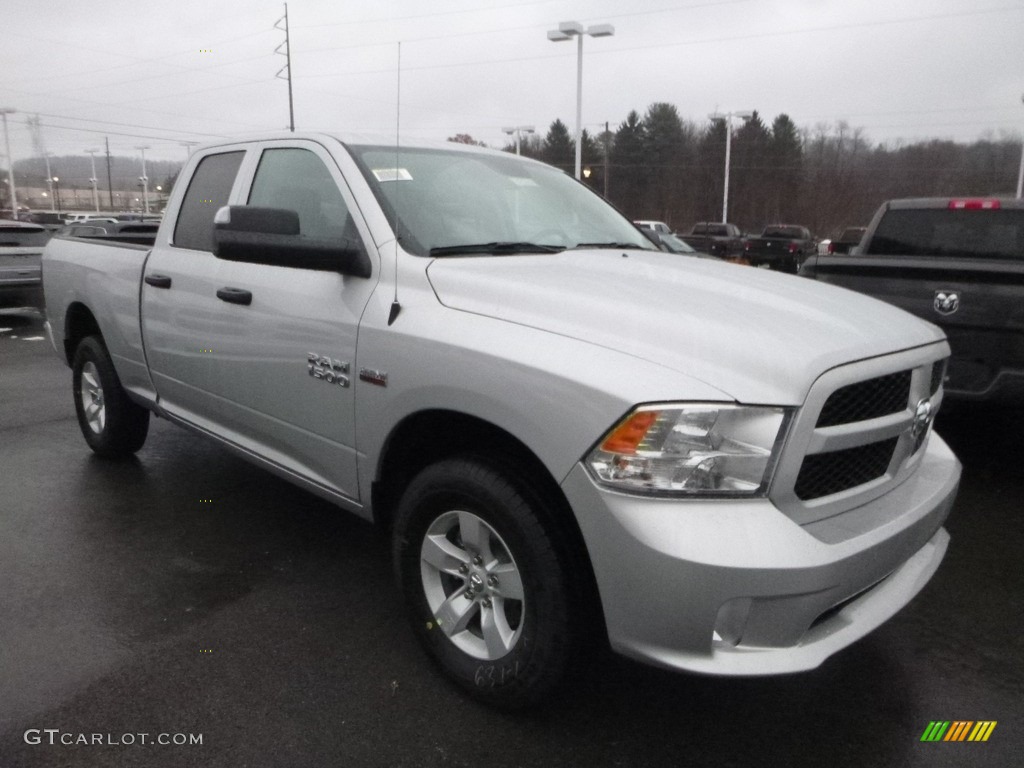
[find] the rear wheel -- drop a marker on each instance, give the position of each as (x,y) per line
(486,589)
(111,423)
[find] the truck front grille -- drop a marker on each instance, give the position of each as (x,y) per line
(865,400)
(859,433)
(823,474)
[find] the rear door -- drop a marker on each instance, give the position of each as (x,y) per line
(181,315)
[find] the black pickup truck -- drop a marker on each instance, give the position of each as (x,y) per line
(724,240)
(958,263)
(780,246)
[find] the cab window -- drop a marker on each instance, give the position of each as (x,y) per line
(208,190)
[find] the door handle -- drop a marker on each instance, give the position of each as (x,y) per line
(235,295)
(158,281)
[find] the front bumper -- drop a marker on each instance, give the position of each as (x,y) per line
(737,588)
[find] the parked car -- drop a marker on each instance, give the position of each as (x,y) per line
(569,437)
(715,238)
(959,263)
(141,232)
(21,249)
(51,220)
(849,239)
(780,246)
(78,218)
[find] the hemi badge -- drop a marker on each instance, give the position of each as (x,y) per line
(380,378)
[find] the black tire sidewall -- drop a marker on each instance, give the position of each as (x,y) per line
(537,662)
(126,423)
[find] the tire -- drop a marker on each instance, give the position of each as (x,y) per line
(461,527)
(111,423)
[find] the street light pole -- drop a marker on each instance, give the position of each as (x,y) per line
(517,131)
(727,117)
(144,179)
(5,111)
(56,186)
(49,179)
(566,31)
(95,191)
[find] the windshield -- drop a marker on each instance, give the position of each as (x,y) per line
(445,202)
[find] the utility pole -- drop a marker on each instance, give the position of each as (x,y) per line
(288,64)
(110,184)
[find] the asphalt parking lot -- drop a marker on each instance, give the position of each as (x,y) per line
(186,593)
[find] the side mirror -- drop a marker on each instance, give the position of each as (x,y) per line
(271,236)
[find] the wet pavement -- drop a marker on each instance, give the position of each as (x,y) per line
(185,593)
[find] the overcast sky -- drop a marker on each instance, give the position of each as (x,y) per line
(158,74)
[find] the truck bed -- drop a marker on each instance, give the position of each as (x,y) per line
(105,277)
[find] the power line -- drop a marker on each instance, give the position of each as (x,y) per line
(606,51)
(128,125)
(119,133)
(506,29)
(135,60)
(385,19)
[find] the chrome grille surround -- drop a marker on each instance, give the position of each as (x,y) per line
(806,438)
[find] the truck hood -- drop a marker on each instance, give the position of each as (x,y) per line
(757,336)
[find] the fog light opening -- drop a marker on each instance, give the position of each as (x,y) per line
(732,620)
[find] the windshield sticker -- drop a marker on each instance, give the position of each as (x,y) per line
(392,174)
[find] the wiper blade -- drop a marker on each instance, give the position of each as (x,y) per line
(633,246)
(495,248)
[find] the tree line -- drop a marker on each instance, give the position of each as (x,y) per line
(660,166)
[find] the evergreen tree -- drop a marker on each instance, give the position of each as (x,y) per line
(665,147)
(559,148)
(785,159)
(627,166)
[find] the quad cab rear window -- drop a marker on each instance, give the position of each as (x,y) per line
(208,190)
(981,234)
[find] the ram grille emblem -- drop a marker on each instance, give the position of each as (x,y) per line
(946,302)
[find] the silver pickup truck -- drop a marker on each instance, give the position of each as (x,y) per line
(569,435)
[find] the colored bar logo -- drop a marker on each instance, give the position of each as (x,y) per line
(958,730)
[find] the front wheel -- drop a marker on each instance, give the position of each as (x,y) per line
(486,588)
(111,423)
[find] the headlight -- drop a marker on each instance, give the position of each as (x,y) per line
(692,450)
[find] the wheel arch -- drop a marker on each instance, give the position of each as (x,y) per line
(429,436)
(79,322)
